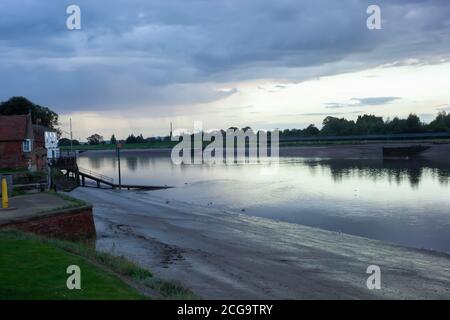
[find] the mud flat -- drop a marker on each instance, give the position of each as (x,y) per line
(437,152)
(233,256)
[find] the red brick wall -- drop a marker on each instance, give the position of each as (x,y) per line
(11,155)
(75,224)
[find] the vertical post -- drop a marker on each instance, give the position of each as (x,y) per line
(71,137)
(119,145)
(5,202)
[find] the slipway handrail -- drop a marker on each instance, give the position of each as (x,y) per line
(96,175)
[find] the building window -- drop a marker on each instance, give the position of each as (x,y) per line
(27,145)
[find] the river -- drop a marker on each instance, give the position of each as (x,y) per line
(403,202)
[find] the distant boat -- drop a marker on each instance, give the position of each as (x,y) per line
(404,151)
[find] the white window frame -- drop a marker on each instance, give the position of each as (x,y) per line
(24,144)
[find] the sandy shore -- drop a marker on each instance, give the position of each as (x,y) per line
(232,256)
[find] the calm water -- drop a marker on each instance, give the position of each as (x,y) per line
(404,202)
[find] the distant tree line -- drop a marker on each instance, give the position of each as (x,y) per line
(97,139)
(331,126)
(370,124)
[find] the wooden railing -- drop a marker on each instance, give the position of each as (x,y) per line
(96,175)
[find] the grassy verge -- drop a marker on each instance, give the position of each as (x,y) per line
(170,144)
(147,145)
(33,267)
(13,170)
(23,176)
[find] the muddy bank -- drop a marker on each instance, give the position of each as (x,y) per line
(437,152)
(232,256)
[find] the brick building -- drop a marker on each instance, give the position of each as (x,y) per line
(22,144)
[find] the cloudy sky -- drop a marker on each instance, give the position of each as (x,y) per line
(136,65)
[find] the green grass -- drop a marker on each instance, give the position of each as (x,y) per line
(147,145)
(31,269)
(30,265)
(18,192)
(170,144)
(13,170)
(74,201)
(23,176)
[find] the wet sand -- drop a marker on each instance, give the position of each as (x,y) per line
(227,255)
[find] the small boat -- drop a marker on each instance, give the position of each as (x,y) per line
(404,151)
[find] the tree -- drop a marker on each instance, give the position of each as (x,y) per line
(66,142)
(413,124)
(441,123)
(140,139)
(113,139)
(338,127)
(21,105)
(95,139)
(369,124)
(130,139)
(135,139)
(311,130)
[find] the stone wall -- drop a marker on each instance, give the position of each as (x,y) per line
(72,224)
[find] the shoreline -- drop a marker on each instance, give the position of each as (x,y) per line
(438,153)
(220,255)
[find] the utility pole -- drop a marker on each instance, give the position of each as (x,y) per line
(71,137)
(118,147)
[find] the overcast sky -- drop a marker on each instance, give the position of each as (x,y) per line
(136,65)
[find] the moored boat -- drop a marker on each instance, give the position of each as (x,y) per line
(404,151)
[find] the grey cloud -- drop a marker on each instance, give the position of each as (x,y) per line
(362,102)
(445,108)
(157,54)
(325,114)
(374,101)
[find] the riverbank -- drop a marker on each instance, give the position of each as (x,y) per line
(227,255)
(438,152)
(161,145)
(34,267)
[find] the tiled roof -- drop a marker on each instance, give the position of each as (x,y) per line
(13,128)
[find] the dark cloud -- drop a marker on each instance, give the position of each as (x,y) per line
(326,114)
(157,54)
(374,101)
(362,102)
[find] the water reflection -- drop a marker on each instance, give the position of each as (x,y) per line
(394,170)
(399,201)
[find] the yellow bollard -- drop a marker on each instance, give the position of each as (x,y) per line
(5,203)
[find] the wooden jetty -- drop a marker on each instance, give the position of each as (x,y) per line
(68,164)
(100,179)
